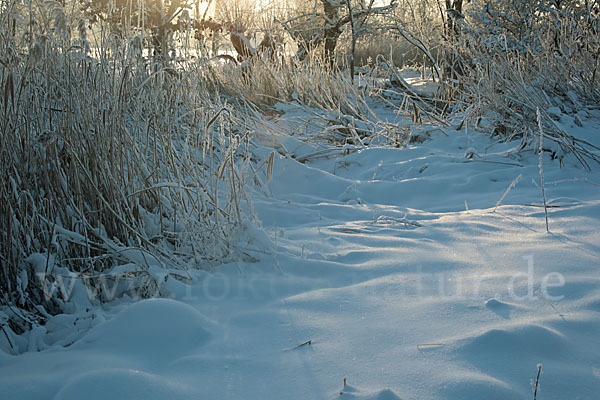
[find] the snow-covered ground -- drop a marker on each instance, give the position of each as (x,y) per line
(392,269)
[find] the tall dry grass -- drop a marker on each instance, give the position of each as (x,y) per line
(109,158)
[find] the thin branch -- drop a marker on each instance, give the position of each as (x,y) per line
(418,44)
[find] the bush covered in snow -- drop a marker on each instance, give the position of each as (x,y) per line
(510,58)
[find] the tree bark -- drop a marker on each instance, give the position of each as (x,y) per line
(353,45)
(452,27)
(332,30)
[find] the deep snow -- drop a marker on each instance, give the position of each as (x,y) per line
(391,268)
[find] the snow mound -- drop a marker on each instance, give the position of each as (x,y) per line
(155,330)
(521,342)
(468,385)
(501,308)
(121,384)
(350,392)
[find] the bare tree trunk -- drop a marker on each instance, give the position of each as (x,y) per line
(353,46)
(332,30)
(334,25)
(453,8)
(454,62)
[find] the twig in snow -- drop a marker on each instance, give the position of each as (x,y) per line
(539,121)
(541,296)
(494,162)
(342,392)
(307,343)
(429,346)
(537,381)
(510,187)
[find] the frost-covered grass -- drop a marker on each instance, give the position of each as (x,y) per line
(512,58)
(264,82)
(106,161)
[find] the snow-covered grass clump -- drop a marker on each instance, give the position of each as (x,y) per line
(111,166)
